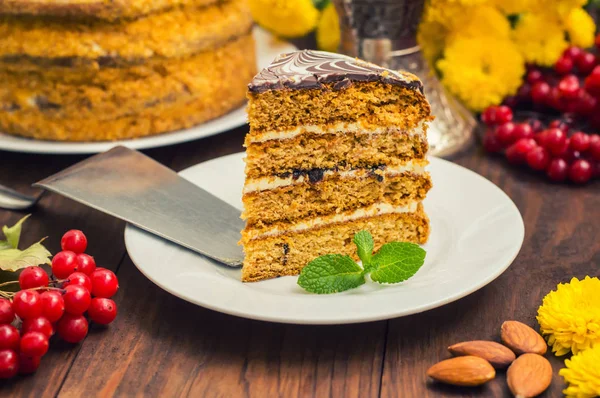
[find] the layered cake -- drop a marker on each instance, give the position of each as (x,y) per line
(159,66)
(336,145)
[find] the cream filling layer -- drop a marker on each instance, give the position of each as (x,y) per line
(338,128)
(374,210)
(272,182)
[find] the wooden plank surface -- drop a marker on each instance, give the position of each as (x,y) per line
(161,345)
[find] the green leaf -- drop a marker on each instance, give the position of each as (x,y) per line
(12,234)
(321,4)
(331,273)
(15,259)
(364,247)
(397,262)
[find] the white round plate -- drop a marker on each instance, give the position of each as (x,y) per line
(476,232)
(267,48)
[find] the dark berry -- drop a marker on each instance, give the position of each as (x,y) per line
(559,124)
(72,328)
(594,148)
(524,92)
(540,92)
(517,153)
(585,62)
(34,344)
(104,283)
(40,324)
(9,337)
(569,86)
(557,170)
(555,141)
(64,264)
(32,277)
(7,314)
(102,310)
(27,304)
(79,278)
(523,130)
(506,133)
(564,65)
(74,241)
(503,114)
(491,143)
(572,52)
(489,115)
(28,365)
(580,141)
(592,82)
(538,158)
(53,305)
(580,171)
(534,76)
(9,364)
(77,299)
(85,263)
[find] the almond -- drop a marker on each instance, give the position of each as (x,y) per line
(462,371)
(496,354)
(522,339)
(529,375)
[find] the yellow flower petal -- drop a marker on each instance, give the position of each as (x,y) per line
(481,71)
(569,316)
(540,38)
(286,18)
(581,28)
(582,374)
(328,29)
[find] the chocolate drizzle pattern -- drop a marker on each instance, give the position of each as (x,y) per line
(309,69)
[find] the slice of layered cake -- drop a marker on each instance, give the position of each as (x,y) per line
(336,145)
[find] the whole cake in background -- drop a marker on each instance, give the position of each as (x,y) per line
(81,70)
(336,145)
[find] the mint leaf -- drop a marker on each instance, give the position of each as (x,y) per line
(331,273)
(15,259)
(397,261)
(364,247)
(12,234)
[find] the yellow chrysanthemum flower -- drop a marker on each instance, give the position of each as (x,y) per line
(431,37)
(540,38)
(582,374)
(510,7)
(328,29)
(444,3)
(480,21)
(561,8)
(569,316)
(286,18)
(481,71)
(581,28)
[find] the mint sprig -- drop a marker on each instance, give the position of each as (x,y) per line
(332,273)
(364,247)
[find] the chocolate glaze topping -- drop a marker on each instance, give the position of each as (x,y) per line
(309,69)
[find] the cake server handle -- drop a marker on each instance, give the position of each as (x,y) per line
(128,185)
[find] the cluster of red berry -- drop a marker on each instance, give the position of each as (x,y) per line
(550,149)
(572,87)
(41,309)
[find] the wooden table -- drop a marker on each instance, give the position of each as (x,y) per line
(161,345)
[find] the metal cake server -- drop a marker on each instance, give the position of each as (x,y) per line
(133,187)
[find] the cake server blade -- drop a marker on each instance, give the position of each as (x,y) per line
(133,187)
